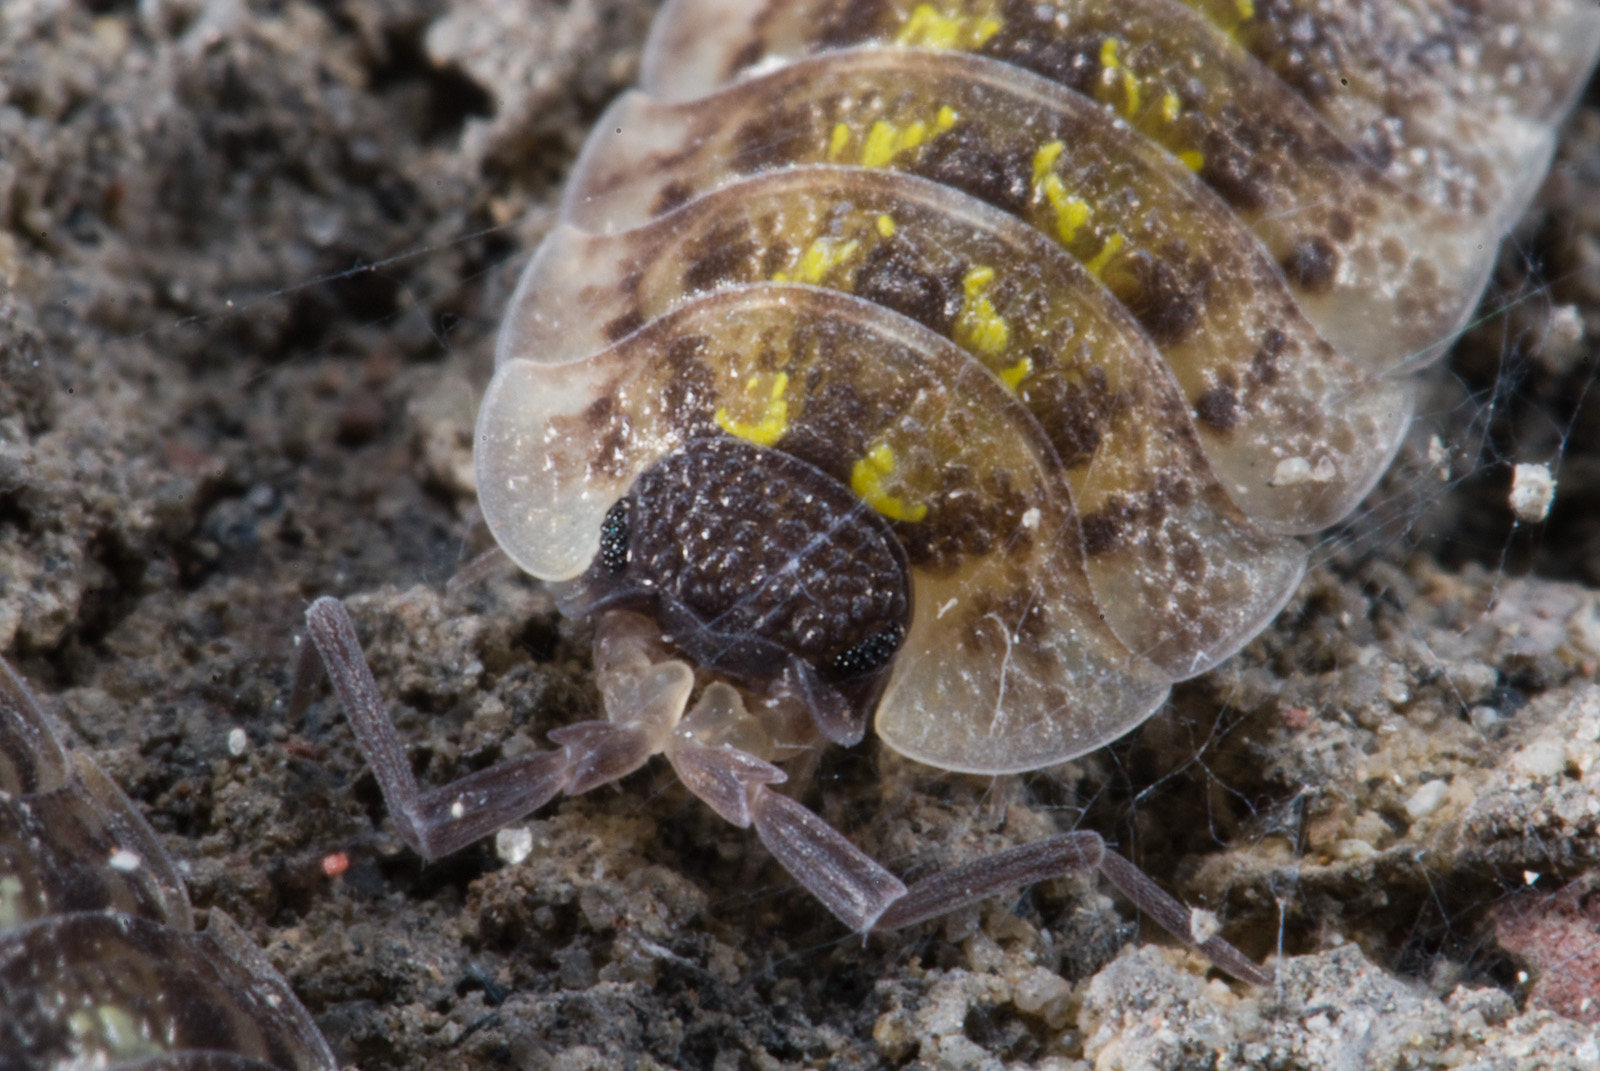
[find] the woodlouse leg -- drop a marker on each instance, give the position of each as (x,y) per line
(850,883)
(437,821)
(1055,857)
(868,897)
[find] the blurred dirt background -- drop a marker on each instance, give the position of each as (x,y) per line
(252,256)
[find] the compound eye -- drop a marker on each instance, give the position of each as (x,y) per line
(870,655)
(614,538)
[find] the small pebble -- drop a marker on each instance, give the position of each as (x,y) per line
(513,844)
(1426,799)
(1533,489)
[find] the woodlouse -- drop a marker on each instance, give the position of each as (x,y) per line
(418,1039)
(1170,531)
(1082,523)
(100,963)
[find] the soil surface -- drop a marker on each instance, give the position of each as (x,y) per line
(251,263)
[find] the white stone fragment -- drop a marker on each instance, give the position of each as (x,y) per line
(124,860)
(1203,925)
(1426,799)
(1532,491)
(1543,759)
(513,844)
(1483,717)
(1562,350)
(1046,994)
(1565,327)
(1352,849)
(238,742)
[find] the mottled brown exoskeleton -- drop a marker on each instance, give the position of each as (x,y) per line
(972,366)
(100,962)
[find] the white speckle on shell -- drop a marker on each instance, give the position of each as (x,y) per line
(1295,471)
(124,860)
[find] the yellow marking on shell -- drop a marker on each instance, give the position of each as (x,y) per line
(1171,106)
(838,140)
(1130,89)
(978,325)
(867,479)
(930,28)
(820,258)
(1112,65)
(767,428)
(1112,247)
(1071,212)
(885,226)
(1245,8)
(122,1033)
(1044,160)
(1014,375)
(885,141)
(1193,159)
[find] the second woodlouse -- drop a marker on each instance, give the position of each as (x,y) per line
(100,962)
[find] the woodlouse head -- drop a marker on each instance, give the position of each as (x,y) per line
(762,567)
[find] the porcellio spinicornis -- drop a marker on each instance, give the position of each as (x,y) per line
(973,367)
